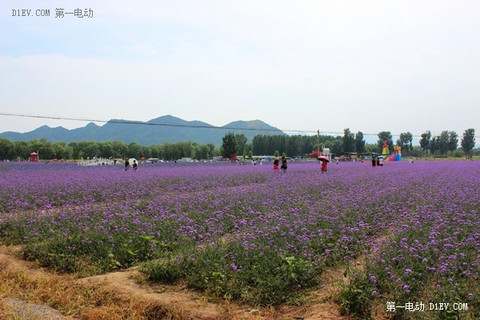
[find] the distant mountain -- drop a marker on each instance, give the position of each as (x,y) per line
(156,131)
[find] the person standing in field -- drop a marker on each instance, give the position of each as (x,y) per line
(127,164)
(275,164)
(135,165)
(284,164)
(324,166)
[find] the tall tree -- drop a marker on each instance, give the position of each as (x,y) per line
(405,142)
(468,141)
(359,142)
(259,144)
(229,145)
(134,150)
(146,152)
(60,150)
(22,150)
(348,141)
(106,150)
(203,152)
(7,149)
(336,145)
(171,151)
(120,149)
(90,149)
(425,141)
(443,142)
(434,144)
(452,141)
(242,142)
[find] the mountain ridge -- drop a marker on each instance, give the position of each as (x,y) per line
(160,130)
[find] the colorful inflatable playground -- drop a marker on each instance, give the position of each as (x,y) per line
(395,156)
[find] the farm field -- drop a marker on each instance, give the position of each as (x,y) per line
(399,241)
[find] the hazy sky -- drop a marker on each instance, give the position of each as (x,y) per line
(369,66)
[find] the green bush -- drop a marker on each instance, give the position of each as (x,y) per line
(356,296)
(229,271)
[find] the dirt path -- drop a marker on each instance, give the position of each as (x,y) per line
(168,296)
(145,301)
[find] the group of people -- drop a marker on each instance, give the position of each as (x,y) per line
(284,165)
(127,164)
(276,165)
(377,162)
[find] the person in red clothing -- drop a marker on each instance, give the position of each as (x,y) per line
(275,164)
(324,166)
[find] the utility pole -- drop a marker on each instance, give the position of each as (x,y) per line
(318,143)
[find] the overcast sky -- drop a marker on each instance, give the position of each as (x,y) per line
(369,66)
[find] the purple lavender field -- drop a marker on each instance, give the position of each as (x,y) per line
(407,234)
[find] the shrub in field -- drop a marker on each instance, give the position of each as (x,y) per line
(356,297)
(227,270)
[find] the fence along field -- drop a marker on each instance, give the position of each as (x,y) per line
(252,235)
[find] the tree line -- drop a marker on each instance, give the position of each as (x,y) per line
(300,145)
(12,150)
(288,145)
(447,141)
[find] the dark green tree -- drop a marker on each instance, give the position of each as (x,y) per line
(359,142)
(371,147)
(76,151)
(229,145)
(146,152)
(106,150)
(7,149)
(348,141)
(242,143)
(336,145)
(417,151)
(425,141)
(120,149)
(204,152)
(212,150)
(468,142)
(443,142)
(452,141)
(134,150)
(259,145)
(90,149)
(434,144)
(405,142)
(171,152)
(60,150)
(155,151)
(22,150)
